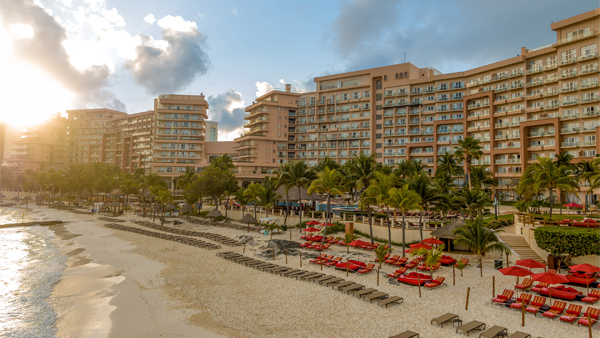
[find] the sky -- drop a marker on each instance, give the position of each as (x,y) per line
(57,55)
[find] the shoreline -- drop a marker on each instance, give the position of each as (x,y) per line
(153,287)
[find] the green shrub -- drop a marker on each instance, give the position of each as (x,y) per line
(572,242)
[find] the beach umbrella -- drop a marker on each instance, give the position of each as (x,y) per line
(248,219)
(313,222)
(186,208)
(2,195)
(573,205)
(587,268)
(16,198)
(550,278)
(117,192)
(85,194)
(358,243)
(26,199)
(327,224)
(433,241)
(515,271)
(170,207)
(214,213)
(311,229)
(420,246)
(64,199)
(531,264)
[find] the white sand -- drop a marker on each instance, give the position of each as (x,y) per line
(175,290)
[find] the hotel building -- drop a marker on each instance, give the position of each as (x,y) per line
(539,103)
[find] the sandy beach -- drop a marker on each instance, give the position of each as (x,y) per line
(122,284)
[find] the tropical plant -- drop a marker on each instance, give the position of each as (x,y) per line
(469,149)
(297,176)
(545,175)
(404,200)
(223,162)
(380,252)
(588,172)
(448,163)
(230,186)
(251,194)
(460,265)
(481,175)
(272,226)
(281,180)
(379,189)
(432,256)
(267,196)
(361,170)
(522,206)
(474,201)
(348,238)
(421,184)
(479,239)
(328,183)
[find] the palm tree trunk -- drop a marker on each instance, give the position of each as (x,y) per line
(481,267)
(389,224)
(300,204)
(551,202)
(403,236)
(468,173)
(421,225)
(371,226)
(287,195)
(327,219)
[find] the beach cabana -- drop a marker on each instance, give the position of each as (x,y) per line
(214,213)
(446,233)
(248,219)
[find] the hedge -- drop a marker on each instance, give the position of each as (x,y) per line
(495,224)
(568,241)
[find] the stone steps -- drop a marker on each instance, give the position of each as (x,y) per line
(520,247)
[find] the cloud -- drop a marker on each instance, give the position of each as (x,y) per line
(227,109)
(262,88)
(170,64)
(297,86)
(234,11)
(150,18)
(448,35)
(45,50)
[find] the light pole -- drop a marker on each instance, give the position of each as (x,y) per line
(496,207)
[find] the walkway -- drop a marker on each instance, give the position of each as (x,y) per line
(518,245)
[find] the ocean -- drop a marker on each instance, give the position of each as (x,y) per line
(30,267)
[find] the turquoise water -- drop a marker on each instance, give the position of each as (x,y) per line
(30,266)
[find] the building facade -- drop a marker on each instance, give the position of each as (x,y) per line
(536,104)
(212,131)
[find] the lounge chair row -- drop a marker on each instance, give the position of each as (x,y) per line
(493,332)
(112,219)
(558,309)
(180,239)
(330,261)
(223,224)
(208,235)
(561,291)
(358,290)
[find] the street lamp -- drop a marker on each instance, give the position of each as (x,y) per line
(496,207)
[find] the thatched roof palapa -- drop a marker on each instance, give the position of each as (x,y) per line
(248,219)
(186,207)
(447,231)
(214,213)
(293,194)
(170,206)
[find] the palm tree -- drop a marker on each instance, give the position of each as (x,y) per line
(545,175)
(328,183)
(405,168)
(230,186)
(421,184)
(479,239)
(242,198)
(588,171)
(129,186)
(360,174)
(186,178)
(281,180)
(327,162)
(267,196)
(251,193)
(432,256)
(474,200)
(468,150)
(404,200)
(379,188)
(481,175)
(564,158)
(272,226)
(380,252)
(223,162)
(419,166)
(297,176)
(448,163)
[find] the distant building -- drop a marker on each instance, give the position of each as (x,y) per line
(212,131)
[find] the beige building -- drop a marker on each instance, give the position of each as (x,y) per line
(39,148)
(212,131)
(536,104)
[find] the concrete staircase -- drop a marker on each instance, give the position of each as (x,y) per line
(518,245)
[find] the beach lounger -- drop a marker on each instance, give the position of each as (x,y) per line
(298,274)
(519,334)
(592,297)
(363,292)
(390,300)
(387,255)
(465,261)
(552,271)
(332,281)
(471,326)
(392,260)
(412,264)
(323,247)
(594,314)
(571,314)
(401,261)
(333,261)
(494,332)
(351,288)
(289,272)
(406,334)
(322,279)
(526,284)
(555,310)
(281,269)
(366,269)
(342,285)
(435,283)
(376,295)
(525,297)
(443,319)
(311,276)
(506,295)
(397,273)
(536,304)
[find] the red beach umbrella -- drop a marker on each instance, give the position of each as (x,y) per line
(358,243)
(311,229)
(420,246)
(587,268)
(531,264)
(433,241)
(327,224)
(313,222)
(550,278)
(515,271)
(573,205)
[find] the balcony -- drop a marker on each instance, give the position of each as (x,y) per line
(576,37)
(571,144)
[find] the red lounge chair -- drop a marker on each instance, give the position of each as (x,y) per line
(572,313)
(323,247)
(526,284)
(561,291)
(565,221)
(587,223)
(594,314)
(581,278)
(552,271)
(525,297)
(426,268)
(465,261)
(327,239)
(387,255)
(435,283)
(539,287)
(555,310)
(592,297)
(447,260)
(314,245)
(401,261)
(536,304)
(304,245)
(373,246)
(387,246)
(320,259)
(506,295)
(412,263)
(333,261)
(397,273)
(414,278)
(367,269)
(393,259)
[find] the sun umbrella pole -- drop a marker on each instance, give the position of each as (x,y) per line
(419,282)
(493,286)
(377,276)
(522,312)
(467,304)
(300,258)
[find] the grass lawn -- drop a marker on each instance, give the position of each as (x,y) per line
(559,217)
(500,217)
